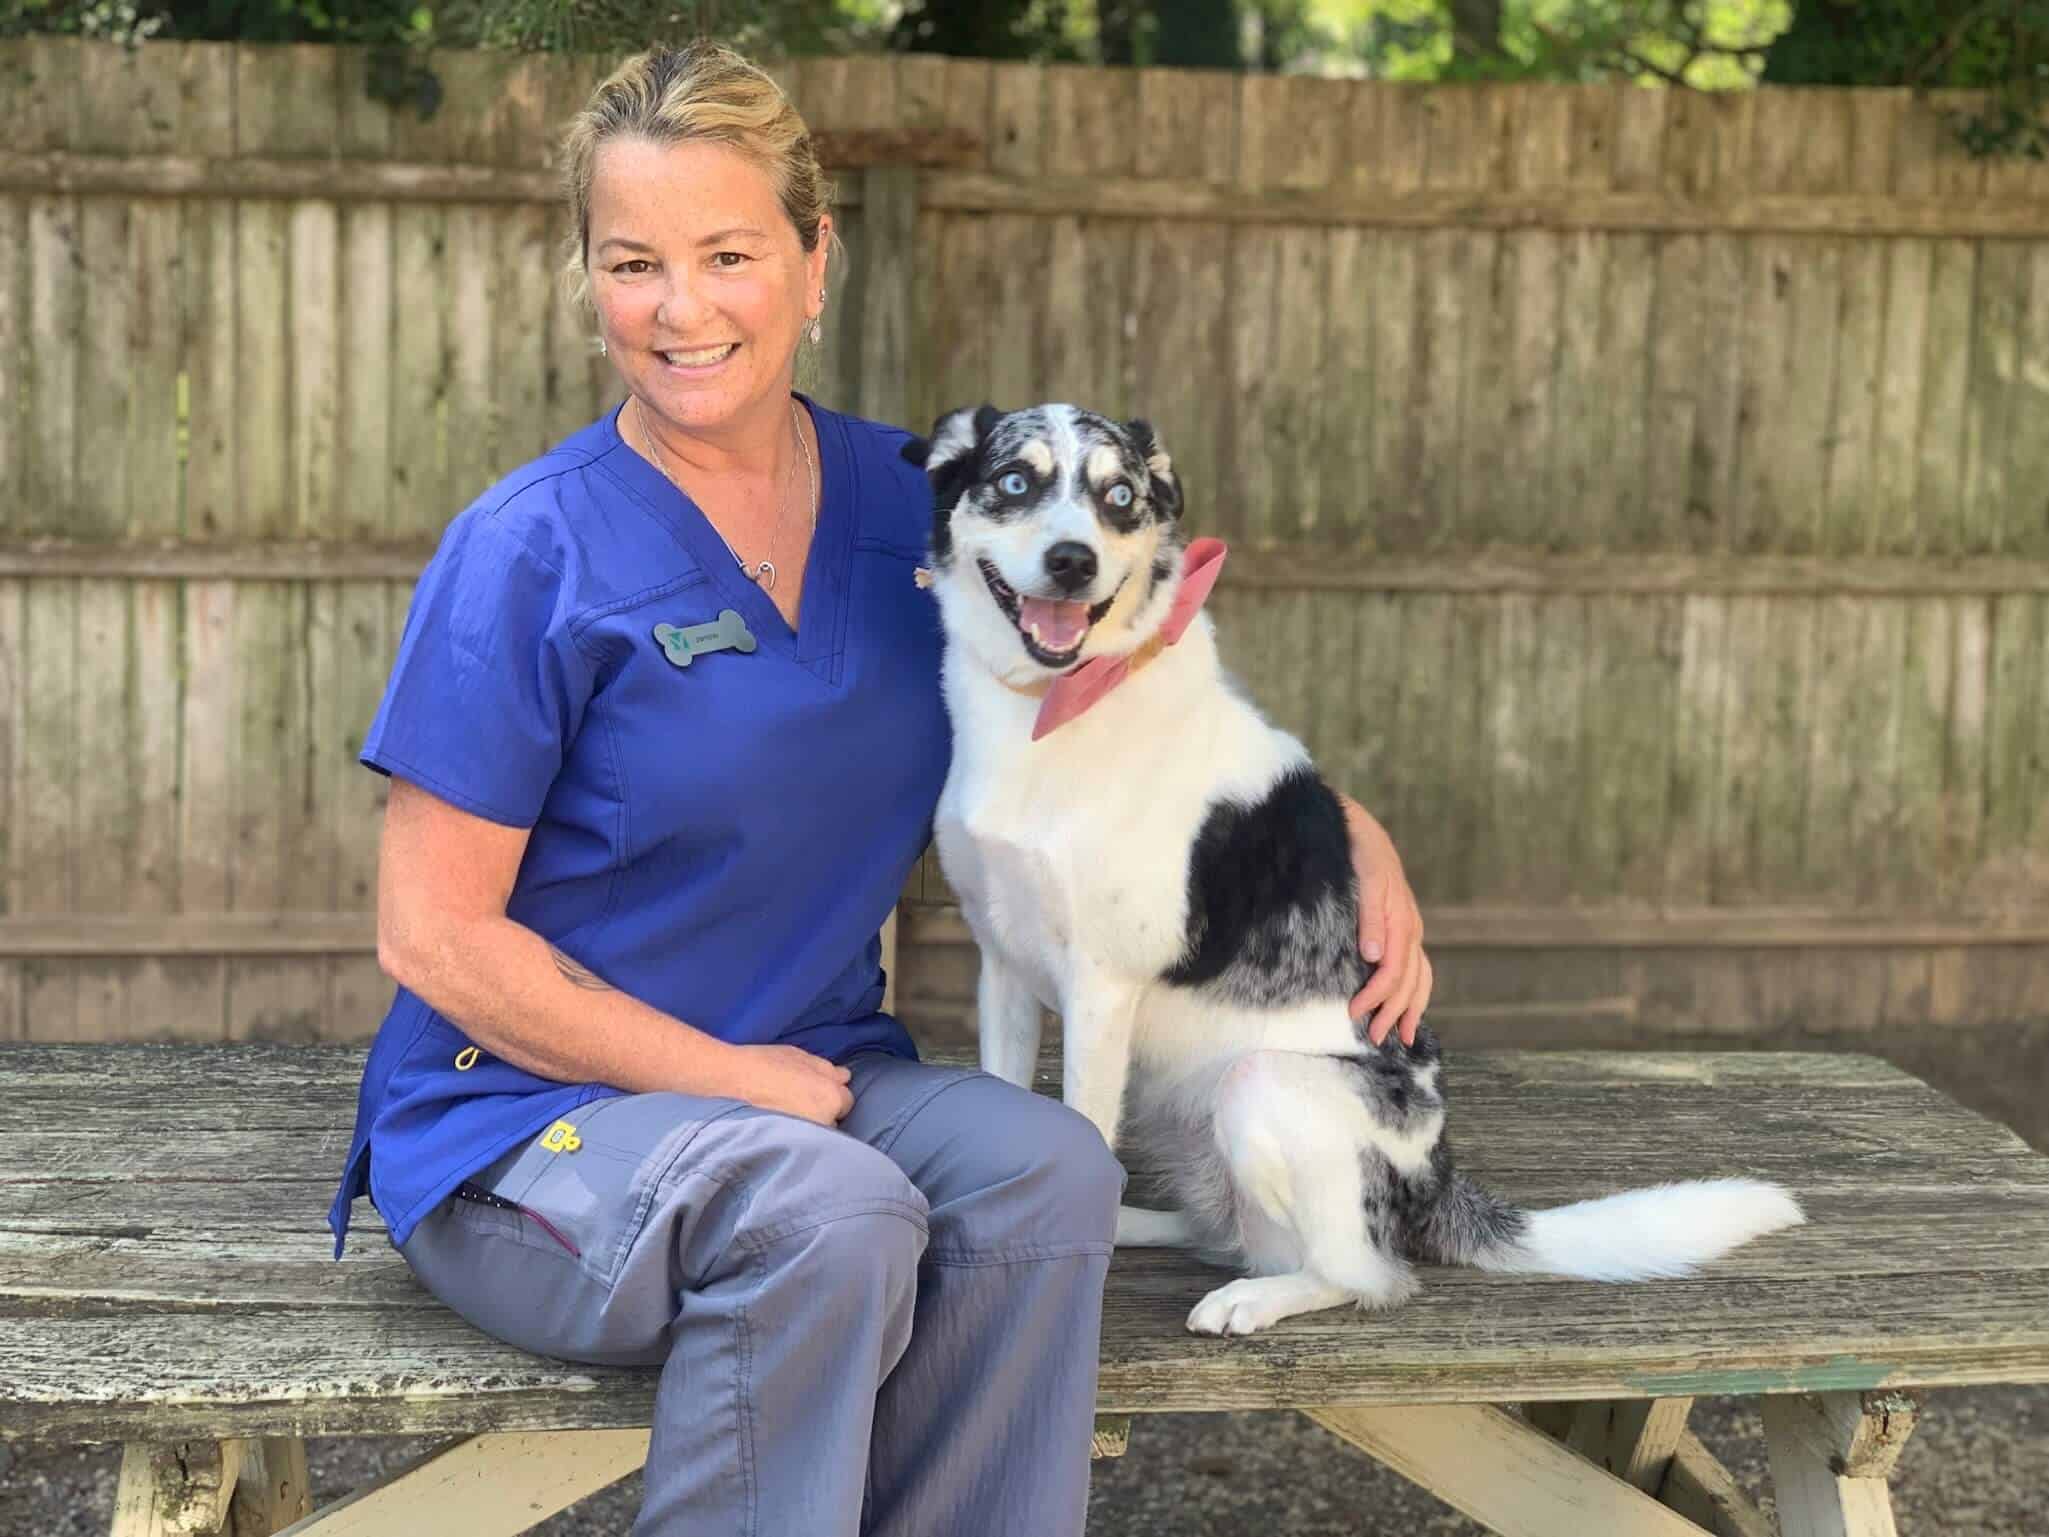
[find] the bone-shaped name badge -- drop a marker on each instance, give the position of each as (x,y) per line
(728,632)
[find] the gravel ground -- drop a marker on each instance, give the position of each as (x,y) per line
(1978,1466)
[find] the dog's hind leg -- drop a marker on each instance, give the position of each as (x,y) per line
(1007,1022)
(1286,1125)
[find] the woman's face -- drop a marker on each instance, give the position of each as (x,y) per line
(701,285)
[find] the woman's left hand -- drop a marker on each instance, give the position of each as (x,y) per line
(1390,932)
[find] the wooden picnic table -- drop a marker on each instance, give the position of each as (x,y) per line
(166,1282)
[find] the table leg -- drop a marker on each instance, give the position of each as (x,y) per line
(1831,1455)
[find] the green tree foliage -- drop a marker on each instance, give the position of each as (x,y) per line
(1998,46)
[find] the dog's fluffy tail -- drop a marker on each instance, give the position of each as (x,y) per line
(1665,1230)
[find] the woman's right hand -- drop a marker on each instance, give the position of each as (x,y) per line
(789,1079)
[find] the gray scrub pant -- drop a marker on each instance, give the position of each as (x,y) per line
(888,1328)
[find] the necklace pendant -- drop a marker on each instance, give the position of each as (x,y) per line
(765,575)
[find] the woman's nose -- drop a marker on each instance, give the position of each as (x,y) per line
(682,306)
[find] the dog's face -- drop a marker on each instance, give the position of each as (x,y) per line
(1055,535)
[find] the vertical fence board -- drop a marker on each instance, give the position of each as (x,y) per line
(1785,692)
(1417,752)
(418,390)
(1626,345)
(475,309)
(13,745)
(1347,395)
(1924,690)
(1963,790)
(1180,302)
(106,373)
(1517,697)
(1847,524)
(1363,761)
(1946,369)
(1632,666)
(1440,295)
(1908,273)
(1696,771)
(46,853)
(1582,448)
(13,748)
(1711,463)
(50,434)
(313,238)
(2019,679)
(1489,401)
(1397,515)
(363,468)
(2027,527)
(1995,336)
(14,402)
(519,360)
(1881,721)
(1834,753)
(1673,403)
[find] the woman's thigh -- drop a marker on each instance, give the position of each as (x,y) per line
(581,1253)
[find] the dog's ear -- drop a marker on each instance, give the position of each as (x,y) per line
(916,451)
(957,434)
(949,460)
(1159,467)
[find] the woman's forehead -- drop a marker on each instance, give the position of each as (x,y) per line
(680,190)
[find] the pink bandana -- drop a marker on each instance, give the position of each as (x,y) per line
(1073,692)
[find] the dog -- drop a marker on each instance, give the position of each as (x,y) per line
(1136,847)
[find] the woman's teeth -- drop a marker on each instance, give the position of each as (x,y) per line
(700,357)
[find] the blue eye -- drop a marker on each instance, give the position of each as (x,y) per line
(1013,484)
(1120,495)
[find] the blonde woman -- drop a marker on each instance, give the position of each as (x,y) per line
(665,736)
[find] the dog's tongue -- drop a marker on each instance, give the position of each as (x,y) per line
(1058,625)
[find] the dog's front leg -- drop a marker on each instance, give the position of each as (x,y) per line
(1095,1054)
(1007,1022)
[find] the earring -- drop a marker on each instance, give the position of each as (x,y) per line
(601,347)
(816,333)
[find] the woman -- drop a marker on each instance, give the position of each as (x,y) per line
(665,736)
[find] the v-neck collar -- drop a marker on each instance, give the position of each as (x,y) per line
(815,643)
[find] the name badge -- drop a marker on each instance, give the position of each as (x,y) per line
(683,645)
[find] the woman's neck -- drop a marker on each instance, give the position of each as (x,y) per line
(757,445)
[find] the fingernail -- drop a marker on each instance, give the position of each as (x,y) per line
(1372,952)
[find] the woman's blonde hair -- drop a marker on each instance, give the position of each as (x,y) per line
(705,92)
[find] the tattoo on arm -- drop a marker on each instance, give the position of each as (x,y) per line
(581,975)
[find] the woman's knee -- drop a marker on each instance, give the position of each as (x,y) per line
(1034,1174)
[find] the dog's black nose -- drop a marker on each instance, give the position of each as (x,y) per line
(1071,564)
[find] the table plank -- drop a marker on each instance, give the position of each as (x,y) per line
(164,1265)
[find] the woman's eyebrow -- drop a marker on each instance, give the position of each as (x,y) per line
(621,240)
(718,235)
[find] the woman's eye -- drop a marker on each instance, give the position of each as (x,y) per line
(635,266)
(730,258)
(1013,484)
(1120,495)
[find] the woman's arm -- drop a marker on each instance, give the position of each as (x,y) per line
(1390,932)
(444,876)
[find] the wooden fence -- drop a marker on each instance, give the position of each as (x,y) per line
(1640,498)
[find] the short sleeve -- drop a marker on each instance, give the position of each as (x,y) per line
(488,688)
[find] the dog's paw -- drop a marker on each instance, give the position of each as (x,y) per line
(1238,1307)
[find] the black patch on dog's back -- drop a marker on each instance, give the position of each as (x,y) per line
(1273,911)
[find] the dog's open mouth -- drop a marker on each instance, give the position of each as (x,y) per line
(1053,629)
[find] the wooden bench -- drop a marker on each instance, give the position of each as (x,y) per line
(165,1282)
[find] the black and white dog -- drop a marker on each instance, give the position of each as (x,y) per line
(1135,846)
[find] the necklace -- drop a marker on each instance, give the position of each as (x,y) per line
(764,570)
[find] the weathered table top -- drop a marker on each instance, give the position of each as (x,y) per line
(165,1269)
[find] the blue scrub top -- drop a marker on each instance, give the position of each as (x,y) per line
(721,840)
